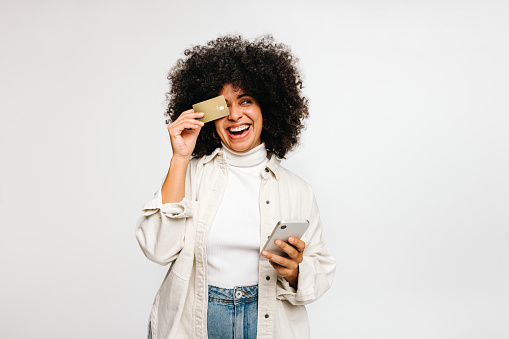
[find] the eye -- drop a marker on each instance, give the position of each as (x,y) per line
(246,101)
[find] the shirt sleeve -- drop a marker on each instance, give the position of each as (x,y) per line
(161,228)
(316,271)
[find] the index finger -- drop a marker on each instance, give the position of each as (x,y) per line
(191,113)
(297,243)
(187,112)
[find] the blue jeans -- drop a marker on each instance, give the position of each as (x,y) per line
(232,313)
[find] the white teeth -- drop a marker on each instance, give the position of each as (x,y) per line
(239,128)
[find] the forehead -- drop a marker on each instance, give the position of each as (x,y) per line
(231,92)
(231,89)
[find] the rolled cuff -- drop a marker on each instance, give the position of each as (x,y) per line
(305,292)
(180,209)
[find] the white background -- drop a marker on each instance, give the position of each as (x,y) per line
(406,148)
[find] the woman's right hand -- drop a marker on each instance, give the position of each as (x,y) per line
(184,132)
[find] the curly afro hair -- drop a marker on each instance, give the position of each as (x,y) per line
(264,69)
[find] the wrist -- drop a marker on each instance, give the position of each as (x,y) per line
(293,280)
(180,159)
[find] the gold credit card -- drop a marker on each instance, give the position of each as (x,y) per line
(214,108)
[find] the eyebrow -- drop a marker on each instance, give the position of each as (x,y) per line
(242,96)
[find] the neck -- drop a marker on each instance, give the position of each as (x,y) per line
(250,158)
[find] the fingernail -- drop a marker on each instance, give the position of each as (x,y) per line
(291,239)
(278,242)
(264,252)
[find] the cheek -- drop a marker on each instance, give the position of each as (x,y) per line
(260,118)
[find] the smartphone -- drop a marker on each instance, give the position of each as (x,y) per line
(214,108)
(283,230)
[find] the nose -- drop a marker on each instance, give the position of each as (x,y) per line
(235,113)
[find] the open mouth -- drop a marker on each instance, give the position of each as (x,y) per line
(239,131)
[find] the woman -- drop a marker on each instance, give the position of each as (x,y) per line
(224,193)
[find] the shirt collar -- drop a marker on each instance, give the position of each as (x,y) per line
(211,156)
(274,165)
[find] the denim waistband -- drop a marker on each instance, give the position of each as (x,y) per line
(237,294)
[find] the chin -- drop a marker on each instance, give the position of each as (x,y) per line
(240,148)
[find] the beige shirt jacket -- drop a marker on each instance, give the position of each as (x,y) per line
(176,233)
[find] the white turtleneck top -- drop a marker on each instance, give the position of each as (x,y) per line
(233,244)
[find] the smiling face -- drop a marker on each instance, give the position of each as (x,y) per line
(241,130)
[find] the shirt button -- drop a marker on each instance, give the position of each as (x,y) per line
(266,316)
(267,202)
(266,170)
(267,277)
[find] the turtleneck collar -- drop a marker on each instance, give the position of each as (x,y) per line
(250,158)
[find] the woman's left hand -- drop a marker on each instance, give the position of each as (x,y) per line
(287,267)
